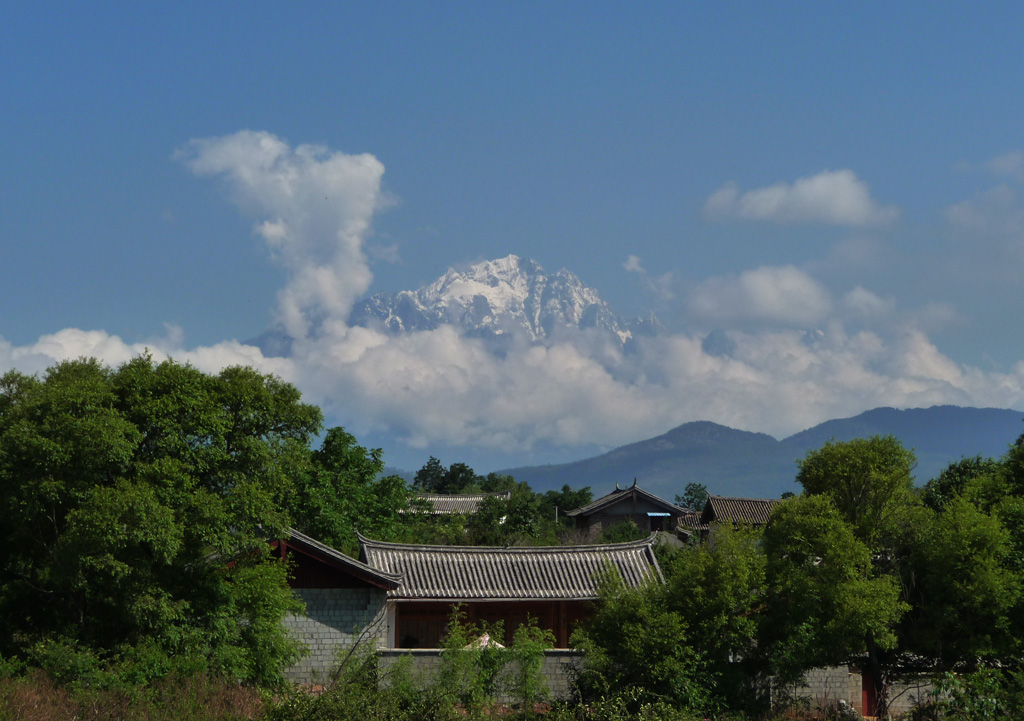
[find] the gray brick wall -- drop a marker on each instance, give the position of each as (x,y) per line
(334,619)
(823,686)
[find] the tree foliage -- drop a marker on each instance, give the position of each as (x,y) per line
(522,518)
(868,481)
(136,504)
(826,605)
(635,647)
(694,497)
(718,588)
(343,492)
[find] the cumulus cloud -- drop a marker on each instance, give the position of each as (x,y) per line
(831,197)
(781,295)
(438,387)
(314,208)
(73,343)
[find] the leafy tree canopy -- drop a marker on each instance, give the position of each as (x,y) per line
(694,497)
(136,502)
(867,479)
(433,477)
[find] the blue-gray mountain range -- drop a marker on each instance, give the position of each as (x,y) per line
(731,462)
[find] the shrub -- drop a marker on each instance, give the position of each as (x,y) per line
(637,650)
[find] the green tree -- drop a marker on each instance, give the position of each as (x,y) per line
(825,603)
(344,492)
(430,477)
(621,532)
(636,648)
(694,497)
(868,480)
(433,477)
(961,591)
(563,500)
(953,480)
(718,588)
(836,557)
(135,504)
(914,580)
(503,521)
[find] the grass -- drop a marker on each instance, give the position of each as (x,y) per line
(36,697)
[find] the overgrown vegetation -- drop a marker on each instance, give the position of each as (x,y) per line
(475,679)
(38,697)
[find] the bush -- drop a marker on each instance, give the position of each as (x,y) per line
(623,707)
(636,650)
(985,695)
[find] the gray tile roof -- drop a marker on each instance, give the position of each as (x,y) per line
(690,521)
(739,510)
(620,494)
(455,503)
(490,573)
(340,561)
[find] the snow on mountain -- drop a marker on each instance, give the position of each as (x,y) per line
(502,297)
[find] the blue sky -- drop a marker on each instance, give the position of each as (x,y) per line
(835,187)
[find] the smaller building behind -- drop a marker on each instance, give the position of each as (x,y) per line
(646,510)
(721,509)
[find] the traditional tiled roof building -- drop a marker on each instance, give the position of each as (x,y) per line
(402,595)
(649,512)
(722,509)
(551,584)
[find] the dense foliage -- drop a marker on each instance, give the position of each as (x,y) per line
(523,518)
(861,569)
(135,508)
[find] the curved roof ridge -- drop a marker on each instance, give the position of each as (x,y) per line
(460,495)
(622,545)
(614,497)
(497,573)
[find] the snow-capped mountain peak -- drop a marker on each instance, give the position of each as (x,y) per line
(493,298)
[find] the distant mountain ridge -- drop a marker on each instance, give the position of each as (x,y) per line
(731,462)
(507,296)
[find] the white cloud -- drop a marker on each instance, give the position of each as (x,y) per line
(314,207)
(438,387)
(864,304)
(997,211)
(831,197)
(780,295)
(1010,164)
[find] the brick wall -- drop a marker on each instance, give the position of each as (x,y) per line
(824,686)
(335,618)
